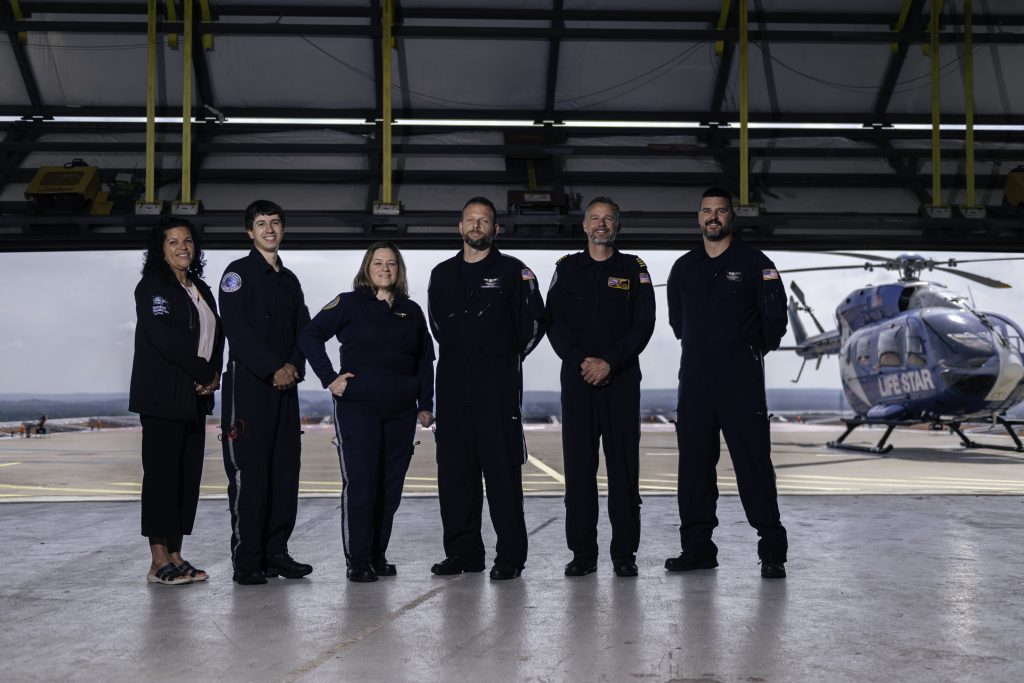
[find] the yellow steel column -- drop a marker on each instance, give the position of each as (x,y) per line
(969,99)
(933,53)
(151,103)
(744,109)
(723,20)
(186,109)
(387,45)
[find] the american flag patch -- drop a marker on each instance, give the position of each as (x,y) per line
(645,279)
(769,274)
(528,274)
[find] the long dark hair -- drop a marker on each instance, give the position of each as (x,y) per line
(365,282)
(153,261)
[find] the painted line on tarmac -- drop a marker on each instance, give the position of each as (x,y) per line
(16,487)
(547,469)
(8,464)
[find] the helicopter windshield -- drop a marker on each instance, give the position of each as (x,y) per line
(963,340)
(930,297)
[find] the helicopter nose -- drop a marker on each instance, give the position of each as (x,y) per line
(970,383)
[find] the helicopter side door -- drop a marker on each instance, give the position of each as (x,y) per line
(903,362)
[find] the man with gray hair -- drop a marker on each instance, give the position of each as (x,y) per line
(601,316)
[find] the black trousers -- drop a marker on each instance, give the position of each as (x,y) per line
(724,392)
(469,446)
(261,440)
(374,451)
(591,416)
(172,466)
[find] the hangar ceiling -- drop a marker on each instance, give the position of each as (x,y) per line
(639,100)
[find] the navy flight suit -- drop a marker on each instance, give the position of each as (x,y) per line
(391,356)
(728,312)
(601,309)
(263,312)
(484,329)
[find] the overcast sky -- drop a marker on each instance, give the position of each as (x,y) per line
(68,319)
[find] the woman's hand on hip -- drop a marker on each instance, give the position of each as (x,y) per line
(337,387)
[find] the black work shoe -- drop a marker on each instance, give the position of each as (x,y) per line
(384,568)
(773,570)
(503,572)
(625,569)
(361,572)
(456,565)
(284,565)
(249,578)
(687,562)
(580,567)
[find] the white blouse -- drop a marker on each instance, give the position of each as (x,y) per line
(207,322)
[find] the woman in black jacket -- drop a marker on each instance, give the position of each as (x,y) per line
(179,348)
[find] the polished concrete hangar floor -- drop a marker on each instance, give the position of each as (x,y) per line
(881,588)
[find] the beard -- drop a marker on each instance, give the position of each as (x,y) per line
(481,243)
(723,231)
(606,240)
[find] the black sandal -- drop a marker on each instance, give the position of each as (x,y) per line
(186,569)
(169,575)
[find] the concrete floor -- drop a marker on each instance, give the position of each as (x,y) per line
(881,588)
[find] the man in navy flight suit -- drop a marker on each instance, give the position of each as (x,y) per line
(487,314)
(601,315)
(727,306)
(263,312)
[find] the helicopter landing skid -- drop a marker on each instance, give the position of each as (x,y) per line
(879,449)
(1008,425)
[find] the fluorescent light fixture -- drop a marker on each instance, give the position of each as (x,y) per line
(508,123)
(529,123)
(632,124)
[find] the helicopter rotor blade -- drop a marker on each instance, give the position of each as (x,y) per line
(866,257)
(974,277)
(953,262)
(866,266)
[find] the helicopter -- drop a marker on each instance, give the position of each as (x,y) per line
(914,352)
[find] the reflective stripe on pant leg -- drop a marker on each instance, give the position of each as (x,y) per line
(235,519)
(344,480)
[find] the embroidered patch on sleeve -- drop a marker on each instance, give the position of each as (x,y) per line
(332,303)
(645,279)
(528,274)
(160,306)
(231,282)
(769,274)
(619,283)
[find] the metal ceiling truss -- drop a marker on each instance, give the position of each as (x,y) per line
(533,155)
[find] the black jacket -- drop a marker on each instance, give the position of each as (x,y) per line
(601,309)
(166,367)
(719,304)
(264,312)
(380,346)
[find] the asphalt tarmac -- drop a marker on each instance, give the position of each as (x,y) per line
(106,465)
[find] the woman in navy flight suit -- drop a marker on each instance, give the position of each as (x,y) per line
(384,384)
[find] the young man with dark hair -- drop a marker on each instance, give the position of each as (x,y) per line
(727,307)
(486,314)
(263,312)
